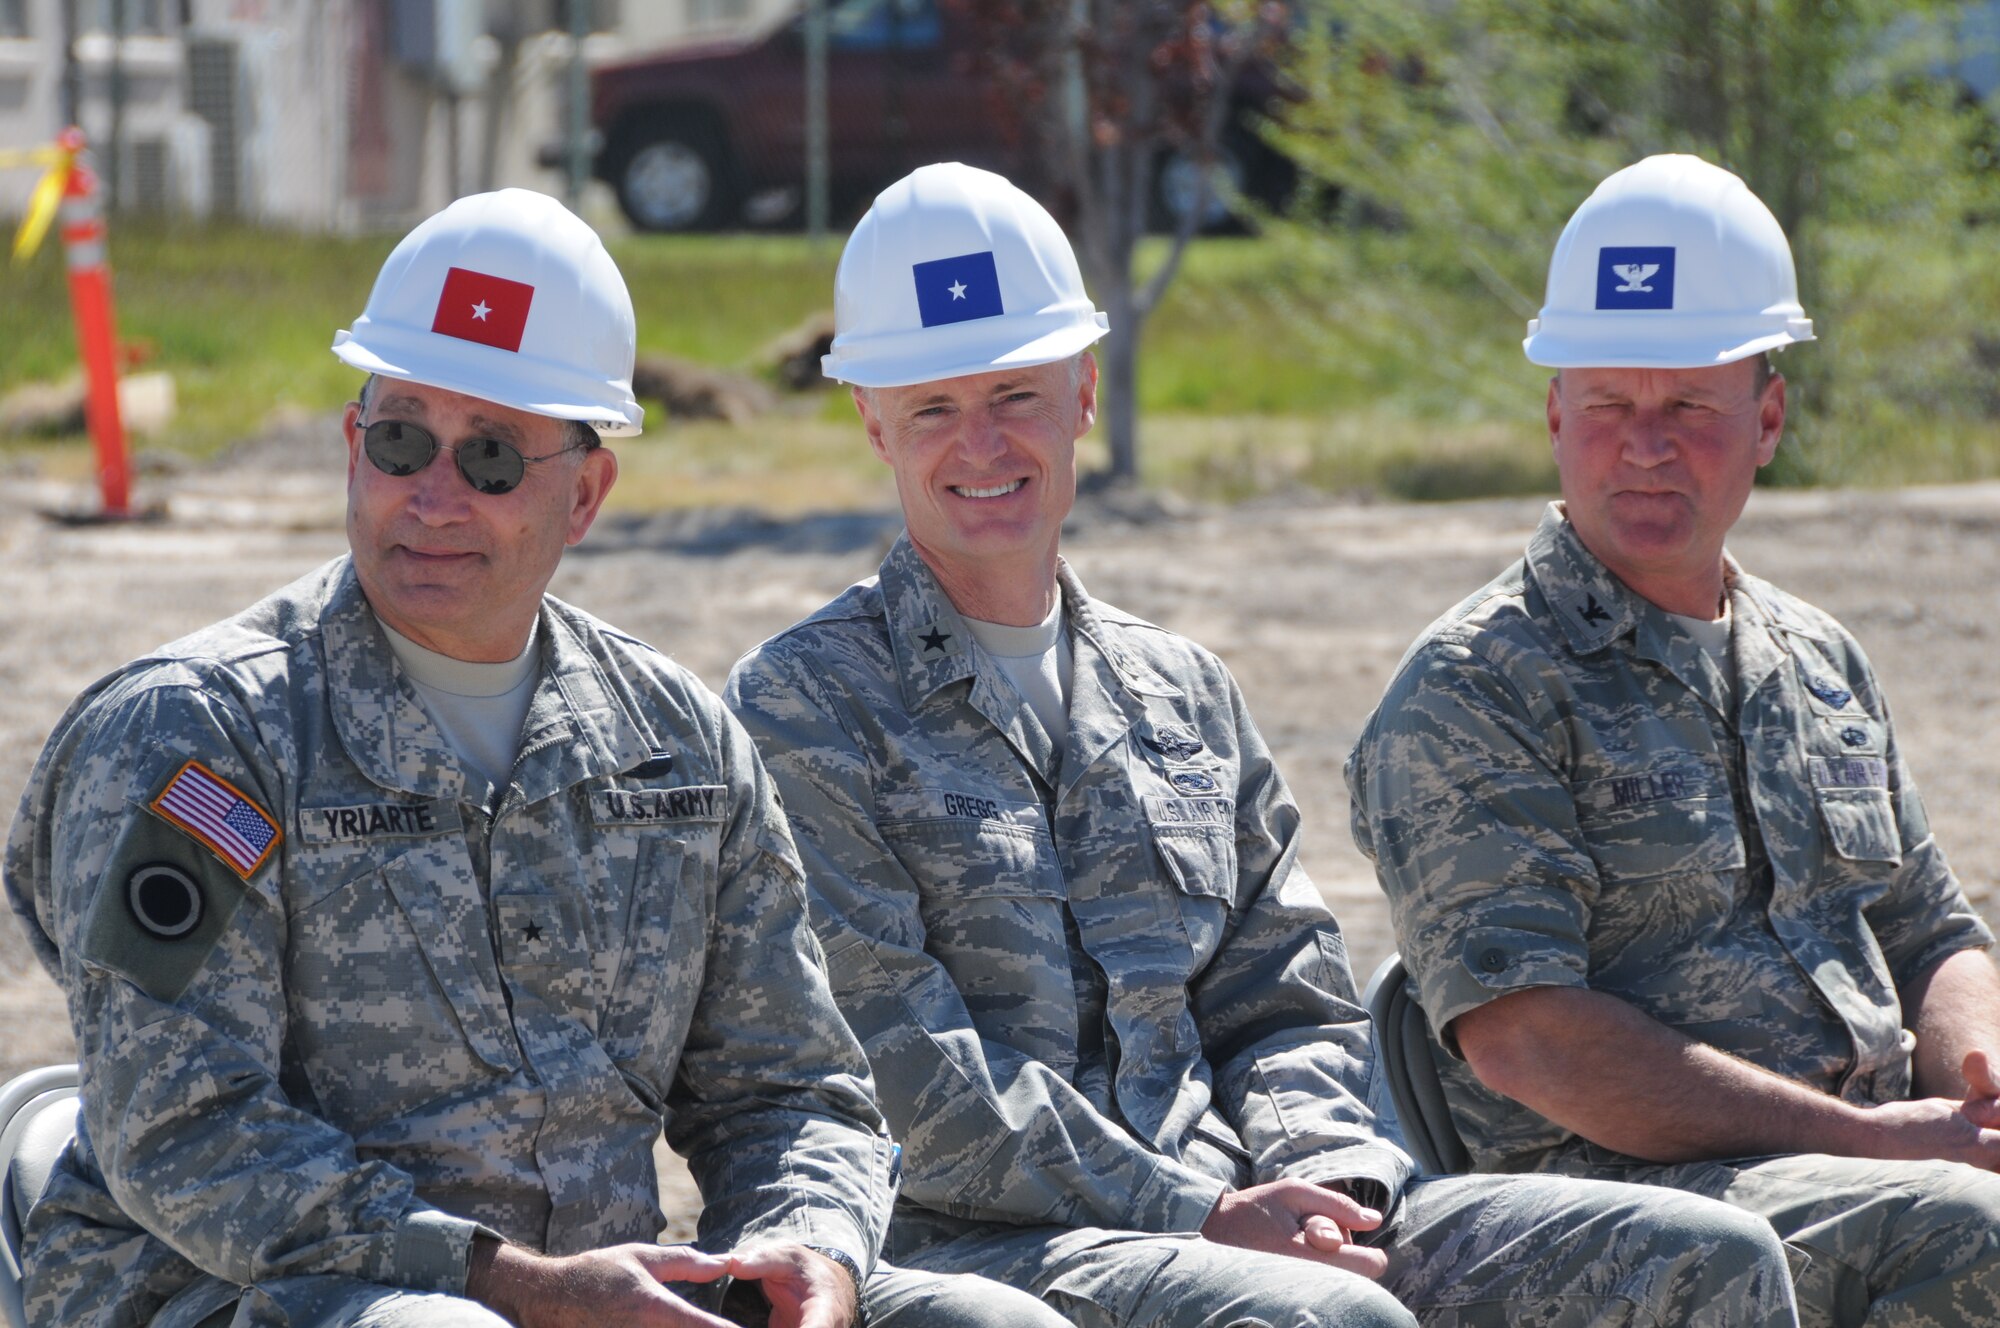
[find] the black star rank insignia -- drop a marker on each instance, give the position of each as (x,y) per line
(934,640)
(533,931)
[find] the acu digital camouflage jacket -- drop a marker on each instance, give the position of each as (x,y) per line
(338,1000)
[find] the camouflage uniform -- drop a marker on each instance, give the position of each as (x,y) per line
(432,1006)
(1560,788)
(1098,990)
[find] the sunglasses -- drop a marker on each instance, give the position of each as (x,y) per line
(399,448)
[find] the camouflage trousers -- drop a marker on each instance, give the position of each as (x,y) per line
(1885,1244)
(893,1298)
(1464,1252)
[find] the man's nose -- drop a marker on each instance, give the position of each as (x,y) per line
(981,440)
(1650,438)
(439,494)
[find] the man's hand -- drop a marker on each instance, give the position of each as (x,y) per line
(613,1288)
(1938,1127)
(1298,1218)
(1982,1090)
(806,1289)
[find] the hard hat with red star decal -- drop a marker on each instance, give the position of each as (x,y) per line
(509,297)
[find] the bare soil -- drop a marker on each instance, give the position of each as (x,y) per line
(1311,603)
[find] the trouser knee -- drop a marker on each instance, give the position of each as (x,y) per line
(1727,1266)
(905,1298)
(1250,1290)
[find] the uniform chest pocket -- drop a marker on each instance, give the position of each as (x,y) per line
(658,981)
(1196,841)
(958,862)
(1860,824)
(1672,819)
(991,898)
(391,987)
(1200,862)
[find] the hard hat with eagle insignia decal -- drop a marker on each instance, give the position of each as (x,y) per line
(1670,264)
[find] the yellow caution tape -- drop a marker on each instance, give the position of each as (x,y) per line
(42,205)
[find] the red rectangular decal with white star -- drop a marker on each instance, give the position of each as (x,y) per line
(478,307)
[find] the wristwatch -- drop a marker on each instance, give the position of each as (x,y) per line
(846,1261)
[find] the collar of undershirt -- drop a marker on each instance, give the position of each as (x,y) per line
(1711,635)
(460,677)
(1004,641)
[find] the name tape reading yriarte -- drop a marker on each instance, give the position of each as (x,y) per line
(376,820)
(689,802)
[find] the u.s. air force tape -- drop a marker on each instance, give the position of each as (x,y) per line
(164,900)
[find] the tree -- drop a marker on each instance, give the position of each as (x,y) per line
(1470,129)
(1110,90)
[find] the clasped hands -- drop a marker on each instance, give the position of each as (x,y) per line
(623,1287)
(1298,1218)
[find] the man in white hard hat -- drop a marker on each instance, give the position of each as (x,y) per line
(1056,877)
(1659,873)
(398,913)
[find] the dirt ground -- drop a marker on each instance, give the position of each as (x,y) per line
(1311,603)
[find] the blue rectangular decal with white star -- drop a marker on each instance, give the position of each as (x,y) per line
(952,290)
(1635,277)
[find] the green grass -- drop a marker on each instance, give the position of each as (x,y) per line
(1329,361)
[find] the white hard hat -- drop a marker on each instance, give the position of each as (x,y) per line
(1670,264)
(954,271)
(511,298)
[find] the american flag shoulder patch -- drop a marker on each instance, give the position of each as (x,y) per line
(215,811)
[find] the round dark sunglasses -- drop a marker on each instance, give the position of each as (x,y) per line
(397,447)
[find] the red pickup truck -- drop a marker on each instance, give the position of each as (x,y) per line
(712,135)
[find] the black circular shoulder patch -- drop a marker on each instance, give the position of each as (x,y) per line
(165,900)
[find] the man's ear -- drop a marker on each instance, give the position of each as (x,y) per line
(594,478)
(870,421)
(1086,394)
(1770,418)
(350,421)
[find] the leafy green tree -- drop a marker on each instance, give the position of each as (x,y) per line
(1108,90)
(1457,138)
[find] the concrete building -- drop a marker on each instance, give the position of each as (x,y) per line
(318,114)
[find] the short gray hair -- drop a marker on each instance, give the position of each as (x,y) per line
(578,435)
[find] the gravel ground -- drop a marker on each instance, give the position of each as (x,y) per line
(1310,603)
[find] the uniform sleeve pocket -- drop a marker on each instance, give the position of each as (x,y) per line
(1860,824)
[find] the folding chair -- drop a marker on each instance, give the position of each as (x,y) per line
(1403,1053)
(37,1118)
